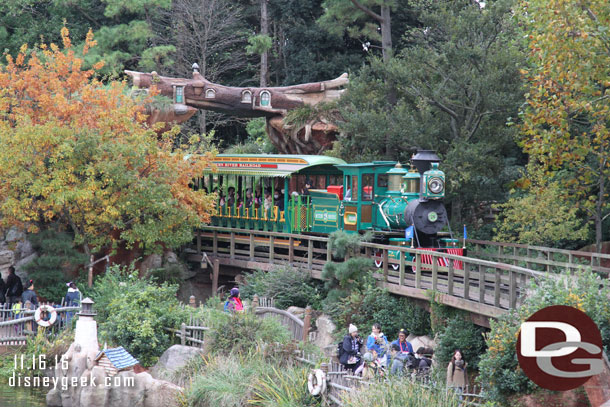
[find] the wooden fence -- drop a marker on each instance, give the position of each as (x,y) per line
(540,258)
(16,327)
(480,286)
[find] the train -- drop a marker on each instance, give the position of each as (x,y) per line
(318,195)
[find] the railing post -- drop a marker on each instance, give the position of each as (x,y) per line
(192,301)
(385,265)
(183,334)
(513,290)
(306,324)
(232,246)
(434,272)
(466,281)
(290,250)
(271,248)
(418,270)
(450,278)
(215,273)
(251,246)
(255,302)
(215,243)
(329,253)
(497,288)
(481,284)
(401,269)
(310,254)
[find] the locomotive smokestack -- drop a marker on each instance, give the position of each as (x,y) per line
(423,160)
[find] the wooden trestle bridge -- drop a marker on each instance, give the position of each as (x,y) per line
(492,279)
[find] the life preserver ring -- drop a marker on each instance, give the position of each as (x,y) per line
(52,315)
(316,382)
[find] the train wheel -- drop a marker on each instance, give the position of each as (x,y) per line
(377,259)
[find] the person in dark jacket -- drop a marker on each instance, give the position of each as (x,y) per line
(350,356)
(73,299)
(30,295)
(2,291)
(14,287)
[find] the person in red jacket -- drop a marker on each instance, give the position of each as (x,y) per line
(234,303)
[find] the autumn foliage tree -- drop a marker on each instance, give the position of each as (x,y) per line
(76,151)
(566,118)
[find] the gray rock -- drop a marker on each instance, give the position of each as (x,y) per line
(325,331)
(54,398)
(7,258)
(22,262)
(24,249)
(162,394)
(123,394)
(14,234)
(173,359)
(297,311)
(153,261)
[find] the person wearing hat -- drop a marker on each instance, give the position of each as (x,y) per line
(234,303)
(350,355)
(30,295)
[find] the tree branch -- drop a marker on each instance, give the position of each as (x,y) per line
(367,11)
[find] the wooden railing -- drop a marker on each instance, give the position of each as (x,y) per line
(483,287)
(540,258)
(15,328)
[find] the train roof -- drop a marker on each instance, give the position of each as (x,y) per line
(270,165)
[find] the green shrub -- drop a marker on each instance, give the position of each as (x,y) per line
(56,256)
(226,381)
(374,304)
(241,332)
(499,370)
(464,335)
(289,287)
(283,388)
(134,312)
(400,393)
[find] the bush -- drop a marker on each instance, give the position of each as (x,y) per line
(134,312)
(500,374)
(399,393)
(464,335)
(289,287)
(283,388)
(225,381)
(56,256)
(241,332)
(374,304)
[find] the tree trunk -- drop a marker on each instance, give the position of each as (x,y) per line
(265,55)
(386,33)
(599,215)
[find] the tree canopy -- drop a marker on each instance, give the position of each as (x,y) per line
(77,151)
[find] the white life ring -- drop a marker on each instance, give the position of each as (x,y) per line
(38,315)
(319,386)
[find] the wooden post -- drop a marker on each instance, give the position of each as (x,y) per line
(466,281)
(198,241)
(215,272)
(401,269)
(215,244)
(309,254)
(417,270)
(497,288)
(329,253)
(434,272)
(90,272)
(512,290)
(232,246)
(290,250)
(183,334)
(192,301)
(385,265)
(255,302)
(482,284)
(306,324)
(450,278)
(251,247)
(271,248)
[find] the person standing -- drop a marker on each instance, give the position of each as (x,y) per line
(234,303)
(2,291)
(30,295)
(457,376)
(350,349)
(14,287)
(73,299)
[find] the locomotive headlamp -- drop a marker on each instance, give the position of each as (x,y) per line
(436,185)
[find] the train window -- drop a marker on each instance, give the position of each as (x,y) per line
(246,96)
(382,180)
(368,181)
(354,188)
(210,94)
(265,98)
(179,94)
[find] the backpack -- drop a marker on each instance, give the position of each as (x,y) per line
(340,349)
(17,288)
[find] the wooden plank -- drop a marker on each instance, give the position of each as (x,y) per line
(271,248)
(291,251)
(434,273)
(215,244)
(251,247)
(450,278)
(466,280)
(513,289)
(481,284)
(418,270)
(401,269)
(385,264)
(232,245)
(498,281)
(309,254)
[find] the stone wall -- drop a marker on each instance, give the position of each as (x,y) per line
(15,250)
